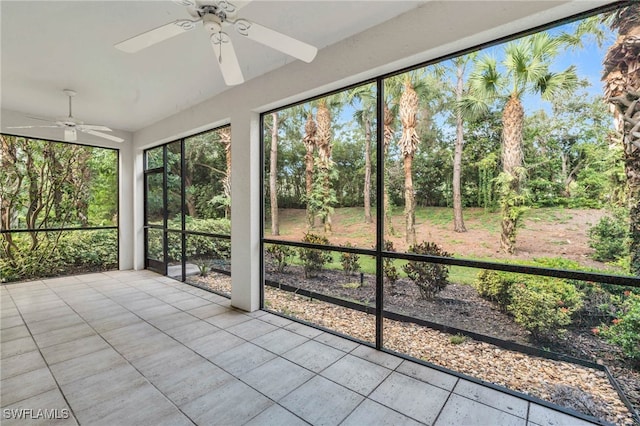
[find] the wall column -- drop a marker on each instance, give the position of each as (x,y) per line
(245,211)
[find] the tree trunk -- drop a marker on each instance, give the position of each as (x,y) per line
(309,141)
(458,220)
(273,165)
(512,122)
(367,171)
(225,138)
(388,136)
(622,90)
(409,201)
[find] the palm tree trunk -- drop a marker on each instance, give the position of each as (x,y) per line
(225,138)
(388,136)
(458,220)
(273,165)
(409,201)
(512,121)
(622,90)
(367,171)
(323,142)
(408,144)
(309,141)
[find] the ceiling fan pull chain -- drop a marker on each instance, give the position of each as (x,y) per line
(220,56)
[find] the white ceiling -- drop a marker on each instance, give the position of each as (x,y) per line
(47,46)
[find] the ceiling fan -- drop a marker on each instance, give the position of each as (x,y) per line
(215,16)
(71,125)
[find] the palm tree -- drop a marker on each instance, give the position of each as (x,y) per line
(309,141)
(408,144)
(273,166)
(364,99)
(526,70)
(324,146)
(225,138)
(622,91)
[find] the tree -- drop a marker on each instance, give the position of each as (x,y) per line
(408,144)
(324,146)
(458,220)
(273,175)
(309,141)
(364,99)
(526,65)
(622,91)
(225,140)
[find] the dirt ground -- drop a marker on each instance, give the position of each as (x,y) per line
(543,233)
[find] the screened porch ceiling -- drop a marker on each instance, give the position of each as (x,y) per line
(48,46)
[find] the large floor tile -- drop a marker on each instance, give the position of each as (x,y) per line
(233,404)
(428,375)
(321,402)
(500,400)
(251,329)
(545,416)
(69,350)
(63,335)
(87,365)
(280,341)
(13,333)
(52,400)
(276,415)
(372,413)
(314,356)
(356,374)
(463,411)
(26,385)
(17,347)
(242,358)
(212,344)
(51,324)
(20,364)
(276,378)
(412,397)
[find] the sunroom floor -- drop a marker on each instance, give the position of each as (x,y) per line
(136,348)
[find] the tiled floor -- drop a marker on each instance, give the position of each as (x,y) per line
(136,348)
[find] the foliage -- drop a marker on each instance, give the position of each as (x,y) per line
(495,286)
(389,268)
(458,339)
(313,260)
(431,278)
(609,238)
(61,253)
(544,305)
(198,246)
(323,196)
(625,329)
(350,261)
(280,255)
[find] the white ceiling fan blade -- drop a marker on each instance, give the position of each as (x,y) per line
(70,134)
(227,59)
(275,40)
(84,127)
(29,127)
(104,135)
(149,38)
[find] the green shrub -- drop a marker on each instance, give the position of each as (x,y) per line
(280,256)
(624,331)
(495,286)
(544,306)
(350,261)
(389,268)
(431,278)
(313,260)
(199,246)
(609,238)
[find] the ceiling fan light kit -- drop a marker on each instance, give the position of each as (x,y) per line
(215,16)
(71,125)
